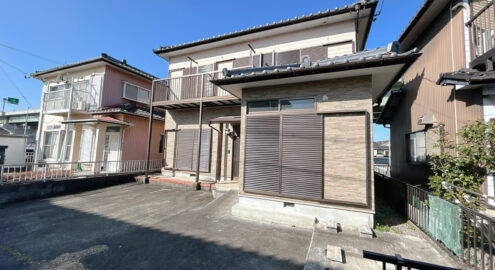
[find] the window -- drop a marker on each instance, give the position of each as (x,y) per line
(186,156)
(297,104)
(68,145)
(49,144)
(262,106)
(60,87)
(135,93)
(416,147)
(86,144)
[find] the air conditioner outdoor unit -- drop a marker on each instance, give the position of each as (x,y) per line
(427,120)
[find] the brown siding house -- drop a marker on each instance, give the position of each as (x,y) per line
(442,34)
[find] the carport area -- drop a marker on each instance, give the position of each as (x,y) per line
(136,226)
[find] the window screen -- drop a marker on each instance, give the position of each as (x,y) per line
(135,93)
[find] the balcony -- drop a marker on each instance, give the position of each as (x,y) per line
(482,33)
(189,91)
(58,101)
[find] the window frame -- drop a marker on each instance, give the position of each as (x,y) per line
(279,106)
(408,148)
(124,89)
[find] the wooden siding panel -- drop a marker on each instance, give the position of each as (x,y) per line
(302,155)
(424,97)
(262,154)
(345,154)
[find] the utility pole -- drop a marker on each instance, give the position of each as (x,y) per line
(3,106)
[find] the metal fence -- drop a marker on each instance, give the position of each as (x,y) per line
(383,169)
(482,27)
(56,171)
(464,232)
(187,87)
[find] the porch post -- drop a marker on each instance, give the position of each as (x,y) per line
(150,124)
(196,185)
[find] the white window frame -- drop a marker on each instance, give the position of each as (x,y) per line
(139,89)
(416,144)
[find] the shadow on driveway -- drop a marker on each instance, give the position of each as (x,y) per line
(142,227)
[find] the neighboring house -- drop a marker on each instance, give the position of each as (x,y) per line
(381,149)
(15,121)
(96,110)
(12,148)
(437,88)
(285,109)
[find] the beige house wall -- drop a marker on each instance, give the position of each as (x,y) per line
(316,36)
(189,119)
(347,163)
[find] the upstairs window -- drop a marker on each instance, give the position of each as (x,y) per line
(135,93)
(416,147)
(339,49)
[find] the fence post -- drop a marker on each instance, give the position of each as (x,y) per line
(1,175)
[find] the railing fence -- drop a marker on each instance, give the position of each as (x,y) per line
(55,171)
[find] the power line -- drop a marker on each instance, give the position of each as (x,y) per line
(26,75)
(15,86)
(29,53)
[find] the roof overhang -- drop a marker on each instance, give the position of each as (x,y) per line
(467,79)
(426,14)
(384,72)
(92,63)
(388,111)
(366,14)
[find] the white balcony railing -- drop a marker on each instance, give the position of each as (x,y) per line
(187,87)
(59,100)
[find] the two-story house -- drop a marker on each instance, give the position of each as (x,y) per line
(450,83)
(284,109)
(96,110)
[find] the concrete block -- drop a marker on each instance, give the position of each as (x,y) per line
(334,253)
(365,232)
(264,215)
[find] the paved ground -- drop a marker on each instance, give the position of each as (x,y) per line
(137,226)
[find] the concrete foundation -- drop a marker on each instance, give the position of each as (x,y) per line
(297,214)
(187,175)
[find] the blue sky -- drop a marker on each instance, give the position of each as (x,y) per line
(54,32)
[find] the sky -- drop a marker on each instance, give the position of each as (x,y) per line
(37,35)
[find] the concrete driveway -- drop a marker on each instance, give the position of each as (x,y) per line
(136,226)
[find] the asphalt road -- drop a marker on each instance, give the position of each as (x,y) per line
(135,226)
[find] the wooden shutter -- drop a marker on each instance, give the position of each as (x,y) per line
(261,169)
(290,57)
(185,148)
(301,148)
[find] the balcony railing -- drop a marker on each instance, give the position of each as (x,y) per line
(60,100)
(187,88)
(482,28)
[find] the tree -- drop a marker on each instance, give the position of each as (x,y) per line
(465,164)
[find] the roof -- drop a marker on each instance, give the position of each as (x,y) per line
(100,119)
(376,58)
(388,112)
(428,11)
(466,76)
(362,4)
(130,108)
(103,58)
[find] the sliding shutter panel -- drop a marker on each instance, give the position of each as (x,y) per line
(205,150)
(185,148)
(302,155)
(261,171)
